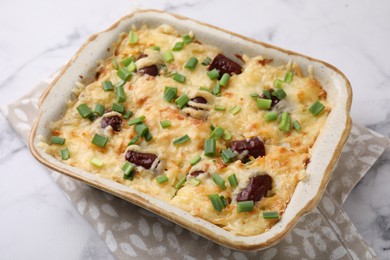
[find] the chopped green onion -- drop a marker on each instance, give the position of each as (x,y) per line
(156,48)
(148,136)
(205,89)
(254,95)
(224,81)
(120,94)
(127,61)
(96,162)
(270,214)
(118,108)
(181,182)
(289,77)
(285,123)
(279,93)
(212,127)
(84,110)
(217,202)
(162,178)
(182,101)
(141,129)
(235,109)
(133,37)
(217,89)
(233,180)
(219,108)
(267,93)
(132,67)
(278,83)
(134,140)
(99,109)
(187,39)
(316,108)
(137,120)
(263,103)
(210,147)
(124,74)
(218,180)
(179,77)
(128,114)
(227,136)
(116,65)
(297,126)
(191,63)
(271,116)
(128,170)
(194,181)
(213,74)
(107,85)
(206,61)
(245,206)
(170,93)
(168,56)
(165,123)
(65,154)
(99,140)
(178,46)
(181,140)
(57,140)
(195,160)
(217,132)
(224,201)
(228,155)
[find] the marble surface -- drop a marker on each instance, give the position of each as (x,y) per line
(38,37)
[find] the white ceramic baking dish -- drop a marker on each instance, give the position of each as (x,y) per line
(325,152)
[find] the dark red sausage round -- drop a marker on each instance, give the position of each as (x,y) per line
(114,121)
(254,146)
(225,65)
(257,188)
(150,70)
(141,159)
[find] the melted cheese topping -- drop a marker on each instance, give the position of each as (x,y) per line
(286,153)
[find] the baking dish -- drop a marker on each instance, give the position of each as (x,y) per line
(324,153)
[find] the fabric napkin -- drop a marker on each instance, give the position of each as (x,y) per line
(130,231)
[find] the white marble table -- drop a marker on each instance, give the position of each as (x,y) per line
(38,37)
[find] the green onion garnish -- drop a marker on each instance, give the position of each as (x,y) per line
(99,140)
(245,206)
(297,126)
(270,214)
(156,48)
(285,123)
(224,81)
(165,123)
(96,162)
(170,93)
(168,56)
(224,201)
(228,155)
(217,202)
(235,109)
(124,74)
(134,140)
(206,61)
(316,108)
(178,46)
(210,147)
(181,182)
(278,83)
(205,89)
(65,154)
(84,110)
(179,77)
(141,129)
(267,93)
(107,85)
(212,127)
(195,160)
(182,101)
(128,170)
(133,37)
(219,108)
(271,116)
(233,180)
(191,63)
(137,120)
(99,109)
(227,136)
(127,61)
(217,89)
(132,67)
(57,140)
(116,65)
(217,132)
(162,178)
(279,93)
(254,95)
(218,180)
(187,39)
(118,108)
(263,103)
(289,77)
(194,181)
(128,114)
(120,94)
(148,136)
(213,74)
(181,140)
